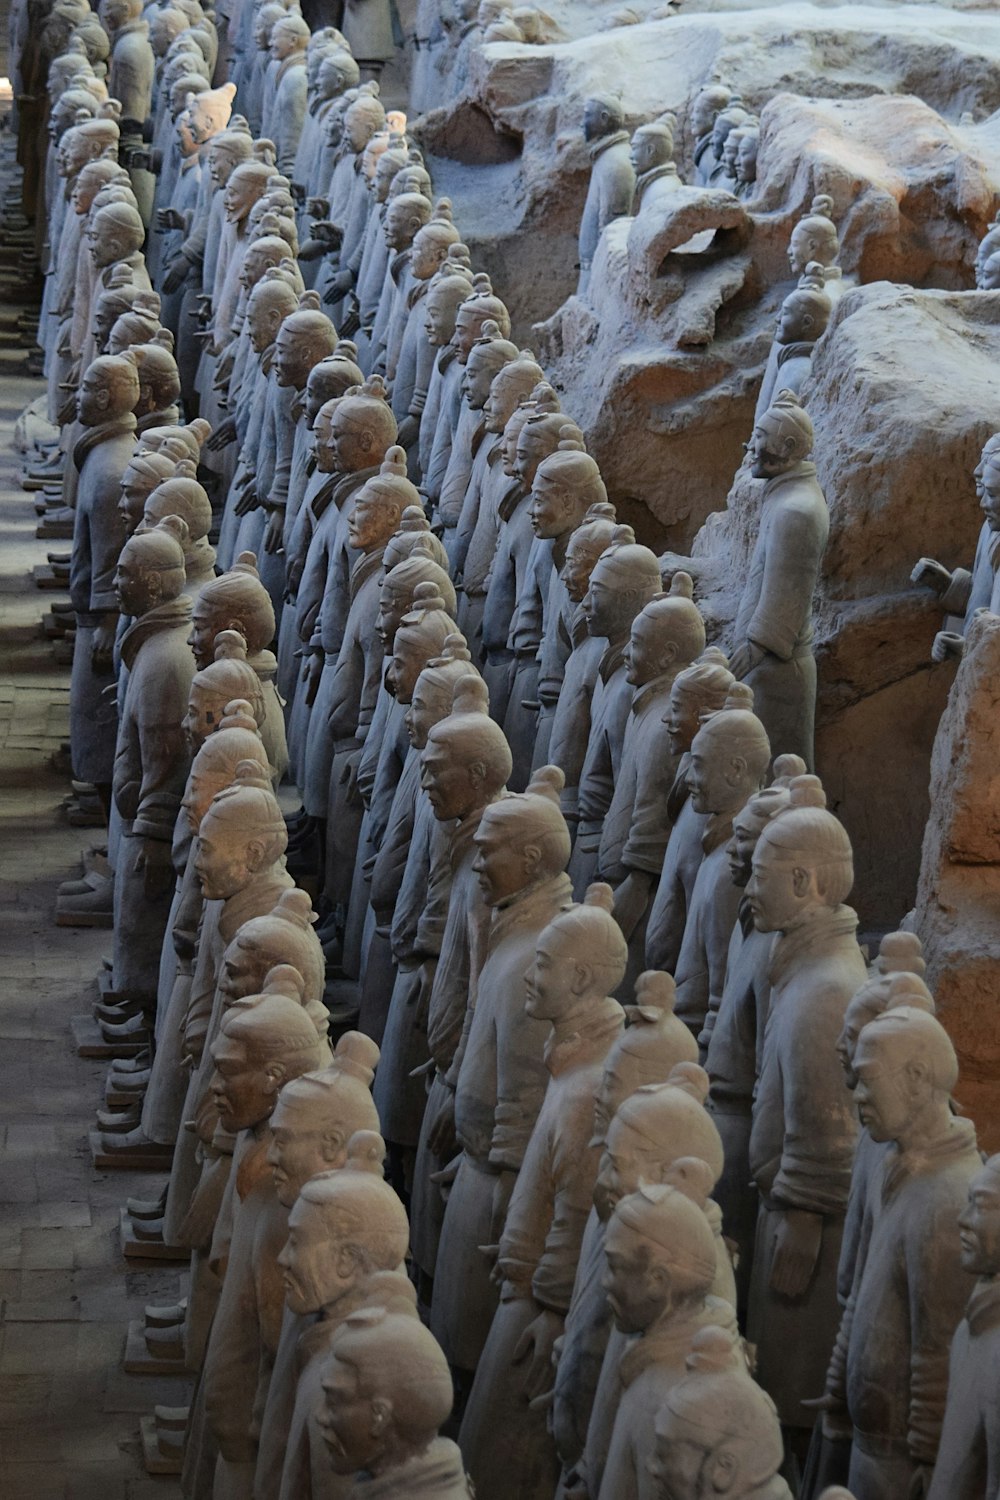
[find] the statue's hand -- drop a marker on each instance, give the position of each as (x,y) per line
(631,899)
(409,431)
(920,1483)
(247,500)
(103,645)
(275,531)
(223,435)
(170,218)
(312,671)
(441,1137)
(800,1235)
(745,658)
(534,1348)
(176,273)
(319,207)
(138,158)
(948,645)
(931,575)
(349,779)
(156,866)
(836,1423)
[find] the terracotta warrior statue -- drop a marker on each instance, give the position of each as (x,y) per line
(388,1390)
(717,1432)
(814,238)
(708,102)
(803,1131)
(968,1457)
(729,760)
(733,1037)
(626,578)
(652,155)
(464,768)
(802,322)
(347,1236)
(499,1073)
(612,176)
(654,1125)
(265,1042)
(960,591)
(772,632)
(579,960)
(151,754)
(108,392)
(666,636)
(661,1264)
(888,1375)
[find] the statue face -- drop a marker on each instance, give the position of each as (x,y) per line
(243,1088)
(990,496)
(304,1141)
(186,141)
(353,1428)
(93,398)
(351,443)
(746,158)
(225,858)
(680,1469)
(321,441)
(501,864)
(887,1096)
(445,778)
(85,190)
(645,651)
(392,606)
(132,500)
(581,559)
(316,1272)
(372,522)
(769,451)
(132,584)
(385,170)
(359,127)
(637,1286)
(292,359)
(626,1161)
(552,508)
(428,707)
(644,152)
(202,718)
(205,626)
(241,193)
(555,979)
(716,776)
(467,330)
(739,852)
(778,891)
(243,972)
(703,115)
(476,380)
(602,604)
(400,226)
(439,320)
(221,165)
(409,658)
(532,446)
(283,42)
(596,120)
(199,792)
(114,14)
(263,319)
(804,246)
(681,719)
(796,321)
(255,262)
(979,1226)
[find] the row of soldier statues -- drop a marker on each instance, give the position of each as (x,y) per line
(583,968)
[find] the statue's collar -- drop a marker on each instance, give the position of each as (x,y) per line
(102,433)
(665,169)
(616,138)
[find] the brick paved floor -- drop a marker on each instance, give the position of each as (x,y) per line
(68,1414)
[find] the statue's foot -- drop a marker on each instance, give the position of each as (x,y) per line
(135,1029)
(132,1143)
